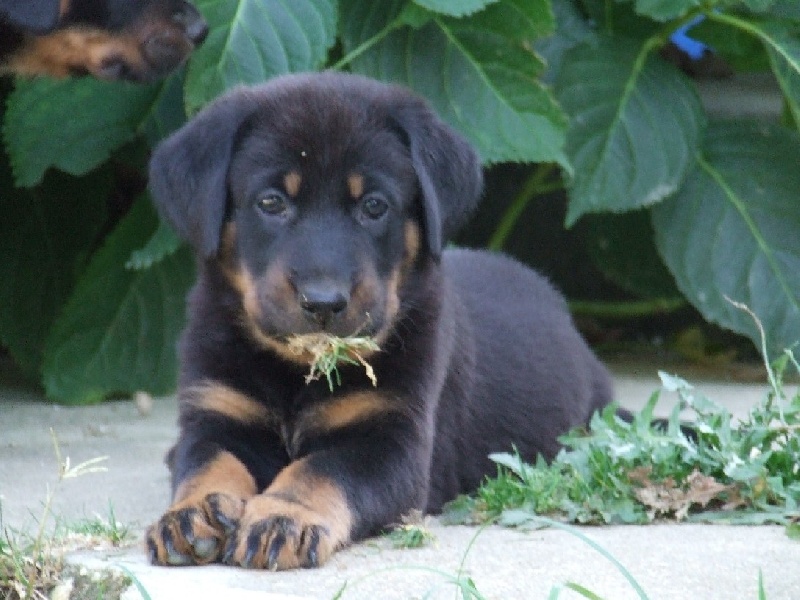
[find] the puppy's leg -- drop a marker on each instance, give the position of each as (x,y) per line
(365,469)
(226,447)
(205,511)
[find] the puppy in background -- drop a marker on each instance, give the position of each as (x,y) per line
(134,40)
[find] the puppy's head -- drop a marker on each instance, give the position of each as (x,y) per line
(318,195)
(138,40)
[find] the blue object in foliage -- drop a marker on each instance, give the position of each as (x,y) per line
(692,47)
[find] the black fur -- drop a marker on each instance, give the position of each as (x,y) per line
(480,356)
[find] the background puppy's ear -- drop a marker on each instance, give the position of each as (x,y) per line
(448,170)
(36,16)
(188,171)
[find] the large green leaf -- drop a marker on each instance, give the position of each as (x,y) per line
(780,39)
(787,9)
(572,29)
(117,332)
(46,234)
(163,243)
(71,124)
(664,10)
(250,41)
(166,114)
(783,49)
(455,8)
(636,126)
(732,230)
(758,5)
(476,72)
(740,49)
(622,247)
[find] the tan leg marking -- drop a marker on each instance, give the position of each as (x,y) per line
(205,512)
(299,521)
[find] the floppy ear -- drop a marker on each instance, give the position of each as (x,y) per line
(448,170)
(37,16)
(188,171)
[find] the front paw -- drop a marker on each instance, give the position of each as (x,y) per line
(195,532)
(276,534)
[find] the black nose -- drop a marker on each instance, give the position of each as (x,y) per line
(322,301)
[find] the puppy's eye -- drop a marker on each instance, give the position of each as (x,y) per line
(272,203)
(374,206)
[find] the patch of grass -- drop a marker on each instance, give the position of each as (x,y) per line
(412,532)
(80,583)
(32,565)
(97,530)
(329,351)
(734,472)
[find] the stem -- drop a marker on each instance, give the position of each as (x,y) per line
(751,29)
(626,310)
(535,185)
(366,45)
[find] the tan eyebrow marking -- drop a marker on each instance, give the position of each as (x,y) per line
(291,181)
(355,183)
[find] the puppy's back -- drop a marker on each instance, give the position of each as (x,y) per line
(534,376)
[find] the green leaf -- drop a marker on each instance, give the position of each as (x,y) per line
(250,41)
(783,49)
(571,30)
(46,234)
(665,10)
(786,9)
(162,244)
(519,20)
(622,247)
(636,124)
(793,530)
(732,231)
(166,113)
(454,8)
(480,80)
(70,124)
(758,5)
(117,331)
(740,49)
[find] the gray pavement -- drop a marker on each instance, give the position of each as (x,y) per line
(670,561)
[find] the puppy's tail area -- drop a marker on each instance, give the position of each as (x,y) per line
(688,429)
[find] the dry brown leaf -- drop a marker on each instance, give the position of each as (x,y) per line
(665,497)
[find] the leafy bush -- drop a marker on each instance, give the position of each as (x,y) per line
(92,287)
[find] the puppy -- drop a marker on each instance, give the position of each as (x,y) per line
(322,203)
(138,40)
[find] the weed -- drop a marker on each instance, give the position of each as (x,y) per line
(330,351)
(98,529)
(621,472)
(412,532)
(30,567)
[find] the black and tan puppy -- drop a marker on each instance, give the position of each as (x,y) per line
(138,40)
(321,203)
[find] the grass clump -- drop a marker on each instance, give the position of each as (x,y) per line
(747,472)
(412,532)
(32,566)
(97,530)
(330,351)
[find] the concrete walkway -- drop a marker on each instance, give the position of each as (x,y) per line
(669,561)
